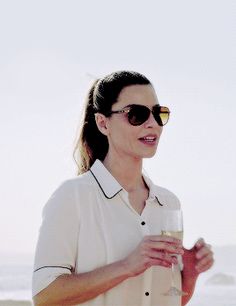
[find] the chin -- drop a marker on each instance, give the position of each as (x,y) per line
(148,154)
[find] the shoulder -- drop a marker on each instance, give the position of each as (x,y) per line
(76,184)
(67,196)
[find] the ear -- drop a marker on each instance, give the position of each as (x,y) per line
(102,123)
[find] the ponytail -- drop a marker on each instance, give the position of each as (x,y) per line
(91,143)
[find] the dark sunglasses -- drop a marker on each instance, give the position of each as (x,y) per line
(138,114)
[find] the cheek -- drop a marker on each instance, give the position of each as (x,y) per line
(123,135)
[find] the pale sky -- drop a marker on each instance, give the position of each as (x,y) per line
(50,51)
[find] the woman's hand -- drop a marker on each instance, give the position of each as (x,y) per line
(153,251)
(198,259)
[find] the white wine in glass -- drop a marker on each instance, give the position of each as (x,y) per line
(172,225)
(178,235)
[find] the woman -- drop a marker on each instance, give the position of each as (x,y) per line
(100,241)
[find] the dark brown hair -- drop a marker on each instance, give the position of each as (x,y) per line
(91,144)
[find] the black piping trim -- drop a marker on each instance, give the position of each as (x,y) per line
(101,187)
(53,267)
(158,201)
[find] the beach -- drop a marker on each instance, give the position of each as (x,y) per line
(15,303)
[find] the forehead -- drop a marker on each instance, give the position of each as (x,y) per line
(137,94)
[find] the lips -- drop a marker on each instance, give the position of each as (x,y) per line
(150,139)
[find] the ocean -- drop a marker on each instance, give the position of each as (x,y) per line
(15,281)
(216,287)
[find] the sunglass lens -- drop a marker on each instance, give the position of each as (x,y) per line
(164,115)
(138,114)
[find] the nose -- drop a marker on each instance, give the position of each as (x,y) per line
(151,122)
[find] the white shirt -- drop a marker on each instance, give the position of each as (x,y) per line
(88,223)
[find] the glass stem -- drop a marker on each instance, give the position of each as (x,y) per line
(172,274)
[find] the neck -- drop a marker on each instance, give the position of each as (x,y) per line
(128,171)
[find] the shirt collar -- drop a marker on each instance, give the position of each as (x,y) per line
(110,186)
(153,193)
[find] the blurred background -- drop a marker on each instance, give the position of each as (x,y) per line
(50,53)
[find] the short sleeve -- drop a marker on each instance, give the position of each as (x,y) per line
(56,249)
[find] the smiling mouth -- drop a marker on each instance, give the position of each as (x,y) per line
(148,139)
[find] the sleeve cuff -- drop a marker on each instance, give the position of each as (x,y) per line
(44,276)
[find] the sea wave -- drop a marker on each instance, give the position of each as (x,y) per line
(15,277)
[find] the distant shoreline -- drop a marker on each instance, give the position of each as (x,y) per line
(15,303)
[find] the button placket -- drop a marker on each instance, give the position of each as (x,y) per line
(144,227)
(144,221)
(146,300)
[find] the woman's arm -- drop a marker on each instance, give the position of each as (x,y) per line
(78,288)
(197,260)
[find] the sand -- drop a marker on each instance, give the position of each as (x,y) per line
(15,303)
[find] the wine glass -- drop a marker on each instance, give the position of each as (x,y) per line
(172,225)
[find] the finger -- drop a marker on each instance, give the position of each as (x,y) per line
(205,267)
(159,262)
(166,247)
(162,256)
(204,251)
(163,238)
(205,262)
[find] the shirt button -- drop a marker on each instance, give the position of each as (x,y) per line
(143,223)
(147,293)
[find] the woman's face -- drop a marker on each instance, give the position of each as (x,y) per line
(128,140)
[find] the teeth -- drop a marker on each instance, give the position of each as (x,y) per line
(149,138)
